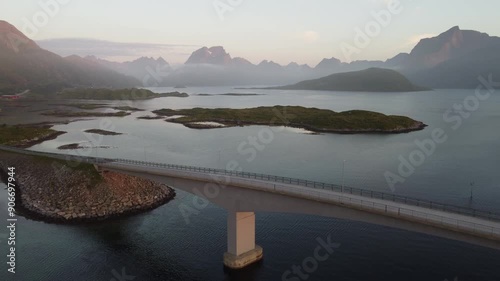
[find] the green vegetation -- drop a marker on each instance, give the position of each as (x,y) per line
(62,113)
(88,169)
(103,132)
(369,80)
(17,135)
(114,94)
(317,120)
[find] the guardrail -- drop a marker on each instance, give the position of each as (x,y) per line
(270,178)
(487,231)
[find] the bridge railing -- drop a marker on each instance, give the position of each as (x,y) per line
(270,178)
(400,211)
(327,186)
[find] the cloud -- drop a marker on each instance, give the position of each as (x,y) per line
(310,36)
(416,38)
(381,2)
(116,51)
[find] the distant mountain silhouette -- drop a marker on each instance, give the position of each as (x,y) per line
(453,59)
(327,64)
(24,65)
(369,80)
(149,71)
(214,55)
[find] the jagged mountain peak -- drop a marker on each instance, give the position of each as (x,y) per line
(212,55)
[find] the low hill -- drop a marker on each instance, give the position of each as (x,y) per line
(369,80)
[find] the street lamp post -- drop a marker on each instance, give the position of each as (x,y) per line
(92,146)
(218,161)
(471,188)
(343,170)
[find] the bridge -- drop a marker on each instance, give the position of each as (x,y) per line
(242,194)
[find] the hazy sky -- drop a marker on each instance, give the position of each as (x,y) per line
(304,31)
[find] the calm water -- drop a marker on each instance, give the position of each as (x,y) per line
(160,245)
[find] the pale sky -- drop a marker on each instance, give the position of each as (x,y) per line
(304,31)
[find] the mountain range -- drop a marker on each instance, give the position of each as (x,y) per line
(24,65)
(453,59)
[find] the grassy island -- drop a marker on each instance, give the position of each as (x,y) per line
(313,119)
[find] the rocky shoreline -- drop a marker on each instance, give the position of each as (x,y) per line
(54,191)
(31,142)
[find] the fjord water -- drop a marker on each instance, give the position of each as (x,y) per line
(163,245)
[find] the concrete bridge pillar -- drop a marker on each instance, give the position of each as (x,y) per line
(241,248)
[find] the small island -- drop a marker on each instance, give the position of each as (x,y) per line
(102,132)
(114,94)
(150,117)
(71,146)
(369,80)
(230,95)
(75,146)
(241,94)
(174,95)
(311,119)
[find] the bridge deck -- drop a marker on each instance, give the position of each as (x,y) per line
(475,226)
(462,219)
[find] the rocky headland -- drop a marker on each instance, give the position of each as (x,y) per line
(69,192)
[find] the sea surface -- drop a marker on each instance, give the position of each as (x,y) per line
(161,245)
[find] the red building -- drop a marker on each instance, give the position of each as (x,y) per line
(10,97)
